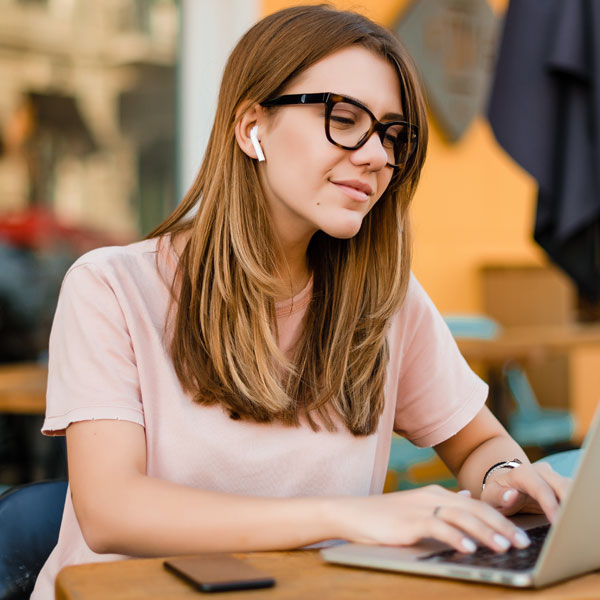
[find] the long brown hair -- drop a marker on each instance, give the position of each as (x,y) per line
(224,339)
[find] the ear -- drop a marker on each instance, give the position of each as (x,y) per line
(253,117)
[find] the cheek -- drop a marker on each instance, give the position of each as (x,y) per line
(301,148)
(383,180)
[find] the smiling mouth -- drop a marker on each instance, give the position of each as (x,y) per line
(355,190)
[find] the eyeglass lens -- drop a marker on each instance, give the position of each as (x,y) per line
(349,124)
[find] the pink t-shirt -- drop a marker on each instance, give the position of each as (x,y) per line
(109,360)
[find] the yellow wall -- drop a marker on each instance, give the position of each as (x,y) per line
(382,11)
(474,204)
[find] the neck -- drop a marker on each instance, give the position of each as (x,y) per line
(294,273)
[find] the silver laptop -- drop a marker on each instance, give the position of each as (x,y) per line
(569,547)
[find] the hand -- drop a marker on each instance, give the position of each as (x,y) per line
(404,518)
(529,488)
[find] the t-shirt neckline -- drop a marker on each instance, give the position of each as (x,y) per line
(296,303)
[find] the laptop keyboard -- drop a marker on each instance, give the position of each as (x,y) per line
(514,559)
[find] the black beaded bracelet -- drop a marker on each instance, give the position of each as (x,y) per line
(505,464)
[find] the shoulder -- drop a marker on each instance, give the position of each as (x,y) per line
(416,296)
(138,261)
(417,321)
(139,269)
(416,305)
(118,257)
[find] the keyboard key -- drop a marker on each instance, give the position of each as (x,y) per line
(514,559)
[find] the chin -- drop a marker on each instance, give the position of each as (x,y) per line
(342,231)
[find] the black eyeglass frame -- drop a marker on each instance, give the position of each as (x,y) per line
(330,100)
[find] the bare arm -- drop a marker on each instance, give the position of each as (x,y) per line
(476,447)
(120,509)
(483,443)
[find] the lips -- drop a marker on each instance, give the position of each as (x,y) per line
(355,189)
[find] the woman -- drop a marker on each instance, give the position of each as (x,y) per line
(232,382)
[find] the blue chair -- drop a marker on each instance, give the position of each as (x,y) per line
(564,463)
(410,466)
(30,517)
(531,425)
(472,326)
(404,454)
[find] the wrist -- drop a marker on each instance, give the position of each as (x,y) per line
(506,464)
(336,514)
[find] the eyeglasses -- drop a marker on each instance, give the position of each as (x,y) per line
(349,125)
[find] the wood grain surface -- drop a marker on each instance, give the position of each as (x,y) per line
(299,575)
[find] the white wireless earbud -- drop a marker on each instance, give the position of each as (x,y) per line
(254,139)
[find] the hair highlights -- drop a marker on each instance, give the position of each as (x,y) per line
(224,337)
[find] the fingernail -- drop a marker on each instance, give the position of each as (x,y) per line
(468,545)
(464,492)
(509,495)
(501,541)
(522,539)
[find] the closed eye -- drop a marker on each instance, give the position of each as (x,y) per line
(389,140)
(342,120)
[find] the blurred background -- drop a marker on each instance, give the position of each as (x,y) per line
(106,107)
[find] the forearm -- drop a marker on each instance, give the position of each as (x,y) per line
(122,510)
(496,449)
(150,517)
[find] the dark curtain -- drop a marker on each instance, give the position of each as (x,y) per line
(545,111)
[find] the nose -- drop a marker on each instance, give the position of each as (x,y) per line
(372,153)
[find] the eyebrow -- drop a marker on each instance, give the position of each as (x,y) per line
(389,116)
(393,117)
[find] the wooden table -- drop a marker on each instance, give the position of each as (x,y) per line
(23,385)
(526,345)
(299,575)
(23,388)
(529,343)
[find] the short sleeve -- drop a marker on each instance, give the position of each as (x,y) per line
(92,371)
(438,394)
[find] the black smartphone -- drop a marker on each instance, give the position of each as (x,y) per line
(218,573)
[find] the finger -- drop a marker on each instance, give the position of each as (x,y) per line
(488,527)
(511,501)
(507,500)
(529,482)
(499,495)
(509,497)
(444,532)
(557,482)
(498,522)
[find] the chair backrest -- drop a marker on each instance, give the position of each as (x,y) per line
(472,326)
(30,517)
(521,391)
